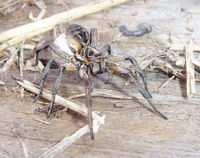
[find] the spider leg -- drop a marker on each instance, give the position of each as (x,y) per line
(141,73)
(55,89)
(46,70)
(116,68)
(83,73)
(93,37)
(37,53)
(105,50)
(137,69)
(89,105)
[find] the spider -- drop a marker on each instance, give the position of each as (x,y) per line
(76,50)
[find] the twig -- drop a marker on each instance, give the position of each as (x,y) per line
(67,141)
(107,95)
(39,120)
(164,84)
(182,47)
(196,63)
(190,82)
(9,62)
(41,5)
(168,68)
(21,65)
(64,144)
(14,36)
(2,83)
(83,94)
(23,145)
(9,5)
(3,60)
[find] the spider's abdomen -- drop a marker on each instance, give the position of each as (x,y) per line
(79,34)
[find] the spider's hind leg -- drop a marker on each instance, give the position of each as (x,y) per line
(140,72)
(124,71)
(136,67)
(46,70)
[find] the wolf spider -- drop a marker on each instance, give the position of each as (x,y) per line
(76,49)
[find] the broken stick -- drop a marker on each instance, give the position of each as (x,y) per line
(66,142)
(16,35)
(190,85)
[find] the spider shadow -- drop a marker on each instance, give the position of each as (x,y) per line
(119,89)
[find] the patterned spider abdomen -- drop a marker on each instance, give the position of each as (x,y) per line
(68,44)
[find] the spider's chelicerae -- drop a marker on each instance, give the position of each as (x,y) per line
(76,49)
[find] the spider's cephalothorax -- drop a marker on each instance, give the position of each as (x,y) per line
(76,49)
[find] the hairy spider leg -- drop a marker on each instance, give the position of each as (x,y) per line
(145,94)
(44,75)
(141,73)
(137,68)
(116,68)
(37,53)
(88,100)
(84,74)
(93,37)
(55,88)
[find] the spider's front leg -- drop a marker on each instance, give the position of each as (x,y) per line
(46,70)
(85,76)
(55,88)
(37,51)
(121,70)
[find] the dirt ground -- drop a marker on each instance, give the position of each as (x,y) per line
(131,131)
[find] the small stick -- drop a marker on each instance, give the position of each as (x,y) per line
(2,83)
(65,143)
(68,140)
(39,120)
(83,94)
(196,63)
(15,35)
(9,62)
(182,47)
(9,5)
(3,60)
(164,84)
(21,65)
(190,82)
(22,144)
(107,95)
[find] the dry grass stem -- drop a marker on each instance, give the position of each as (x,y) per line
(9,62)
(79,108)
(164,84)
(39,120)
(196,63)
(66,142)
(107,95)
(168,68)
(182,47)
(190,82)
(16,35)
(21,65)
(10,5)
(23,145)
